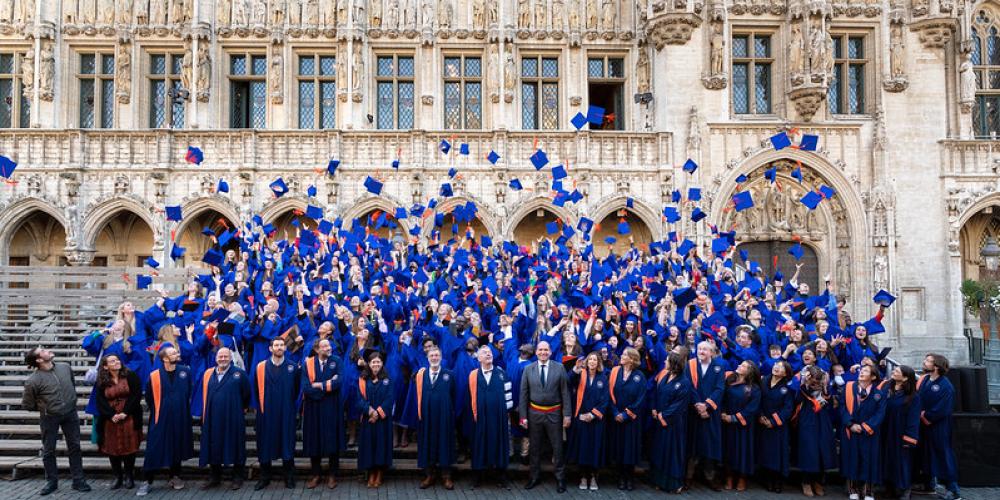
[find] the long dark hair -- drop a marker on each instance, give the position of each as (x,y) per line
(909,386)
(788,372)
(367,373)
(752,378)
(675,364)
(104,378)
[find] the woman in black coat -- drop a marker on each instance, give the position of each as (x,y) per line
(119,418)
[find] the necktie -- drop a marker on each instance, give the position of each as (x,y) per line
(434,377)
(543,375)
(864,393)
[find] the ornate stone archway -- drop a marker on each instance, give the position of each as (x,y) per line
(530,205)
(98,214)
(485,216)
(649,216)
(370,203)
(14,214)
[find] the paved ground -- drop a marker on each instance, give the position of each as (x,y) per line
(405,488)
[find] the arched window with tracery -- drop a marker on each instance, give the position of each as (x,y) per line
(985,58)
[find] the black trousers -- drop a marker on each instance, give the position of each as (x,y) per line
(238,471)
(117,462)
(288,466)
(70,425)
(546,428)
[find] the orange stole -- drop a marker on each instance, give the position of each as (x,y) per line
(611,383)
(260,384)
(204,392)
(473,383)
(154,385)
(693,369)
(420,393)
(310,370)
(579,393)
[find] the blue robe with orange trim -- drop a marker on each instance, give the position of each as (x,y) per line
(628,397)
(900,434)
(937,399)
(223,425)
(814,445)
(436,418)
(773,445)
(323,432)
(708,388)
(859,452)
(586,439)
(489,405)
(375,439)
(275,393)
(668,456)
(169,440)
(742,402)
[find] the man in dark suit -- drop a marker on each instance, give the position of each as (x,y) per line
(544,399)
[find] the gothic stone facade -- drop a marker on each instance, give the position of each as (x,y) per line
(103,97)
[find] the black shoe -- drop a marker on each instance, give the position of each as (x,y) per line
(290,482)
(81,486)
(263,483)
(129,482)
(49,488)
(531,484)
(621,484)
(237,483)
(119,481)
(628,485)
(561,487)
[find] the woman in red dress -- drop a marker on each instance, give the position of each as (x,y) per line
(119,419)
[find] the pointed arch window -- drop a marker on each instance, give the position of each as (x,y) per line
(985,58)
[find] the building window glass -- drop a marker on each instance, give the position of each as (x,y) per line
(248,91)
(985,59)
(846,94)
(317,91)
(15,107)
(167,95)
(97,90)
(606,89)
(395,88)
(752,63)
(539,93)
(463,91)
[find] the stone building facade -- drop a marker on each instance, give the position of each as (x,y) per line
(102,98)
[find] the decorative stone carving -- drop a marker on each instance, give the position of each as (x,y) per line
(123,72)
(934,33)
(573,6)
(796,54)
(671,28)
(558,15)
(375,15)
(28,73)
(523,14)
(492,13)
(592,18)
(510,75)
(493,73)
(643,71)
(204,83)
(444,14)
(392,15)
(357,70)
(47,70)
(693,149)
(541,13)
(360,13)
(609,12)
(187,65)
(121,184)
(880,270)
(967,97)
(807,100)
(896,81)
(276,74)
(716,78)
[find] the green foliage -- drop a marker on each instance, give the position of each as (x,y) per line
(977,294)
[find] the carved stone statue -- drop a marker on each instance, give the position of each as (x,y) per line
(510,71)
(523,14)
(241,13)
(444,13)
(880,271)
(592,14)
(897,52)
(276,75)
(310,13)
(828,61)
(158,12)
(816,47)
(558,15)
(478,14)
(357,67)
(47,69)
(342,6)
(492,13)
(608,13)
(427,14)
(968,81)
(795,50)
(278,8)
(392,15)
(28,73)
(204,83)
(360,16)
(541,10)
(376,15)
(492,70)
(342,67)
(574,14)
(123,73)
(642,70)
(718,49)
(224,12)
(187,64)
(105,12)
(259,12)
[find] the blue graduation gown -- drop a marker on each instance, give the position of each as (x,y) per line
(136,360)
(742,402)
(937,399)
(223,426)
(436,418)
(900,433)
(668,456)
(859,452)
(375,439)
(491,430)
(275,392)
(708,388)
(627,399)
(586,439)
(813,434)
(773,446)
(323,432)
(169,439)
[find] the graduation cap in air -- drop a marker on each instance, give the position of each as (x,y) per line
(771,174)
(694,194)
(463,149)
(213,257)
(811,200)
(742,201)
(445,146)
(595,115)
(325,227)
(311,191)
(331,168)
(207,231)
(884,298)
(671,214)
(143,281)
(278,187)
(623,228)
(174,213)
(223,186)
(827,191)
(685,246)
(194,155)
(400,213)
(578,120)
(177,251)
(314,212)
(796,251)
(780,141)
(690,166)
(515,184)
(493,157)
(7,167)
(740,179)
(697,214)
(585,225)
(684,296)
(151,262)
(808,142)
(559,172)
(720,245)
(446,190)
(797,174)
(539,159)
(373,186)
(452,172)
(610,240)
(552,227)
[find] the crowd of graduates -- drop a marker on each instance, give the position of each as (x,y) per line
(702,368)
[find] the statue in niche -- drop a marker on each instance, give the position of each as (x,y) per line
(968,83)
(492,13)
(342,68)
(47,71)
(357,68)
(342,12)
(444,14)
(880,273)
(843,272)
(123,73)
(718,49)
(310,13)
(278,9)
(223,12)
(558,15)
(795,50)
(241,12)
(777,206)
(608,12)
(540,13)
(176,12)
(392,15)
(642,70)
(427,14)
(105,12)
(28,73)
(591,14)
(523,14)
(376,15)
(828,61)
(141,12)
(897,52)
(293,12)
(186,68)
(510,71)
(27,15)
(574,15)
(492,68)
(204,72)
(640,10)
(260,12)
(478,14)
(276,76)
(158,12)
(816,46)
(87,12)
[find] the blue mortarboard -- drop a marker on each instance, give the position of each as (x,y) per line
(575,196)
(595,115)
(552,227)
(780,141)
(278,187)
(685,246)
(623,228)
(741,178)
(744,255)
(515,184)
(151,262)
(445,146)
(222,187)
(742,201)
(771,174)
(415,230)
(610,240)
(258,220)
(174,213)
(452,172)
(401,213)
(559,172)
(493,157)
(684,296)
(874,328)
(808,142)
(331,168)
(585,225)
(796,251)
(671,214)
(690,166)
(446,190)
(675,196)
(373,186)
(720,245)
(827,191)
(630,202)
(697,214)
(539,159)
(694,194)
(226,237)
(207,231)
(432,204)
(314,212)
(578,120)
(268,228)
(463,149)
(797,174)
(811,200)
(568,231)
(325,227)
(143,281)
(486,241)
(213,257)
(311,190)
(194,155)
(884,298)
(177,251)
(7,167)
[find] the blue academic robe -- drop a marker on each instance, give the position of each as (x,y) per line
(773,445)
(489,404)
(169,440)
(708,388)
(628,397)
(742,402)
(937,399)
(900,434)
(859,452)
(375,439)
(323,432)
(586,439)
(223,425)
(814,434)
(668,456)
(275,393)
(436,418)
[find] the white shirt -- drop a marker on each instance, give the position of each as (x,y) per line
(488,374)
(435,374)
(219,375)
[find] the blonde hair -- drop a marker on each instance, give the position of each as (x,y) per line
(632,354)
